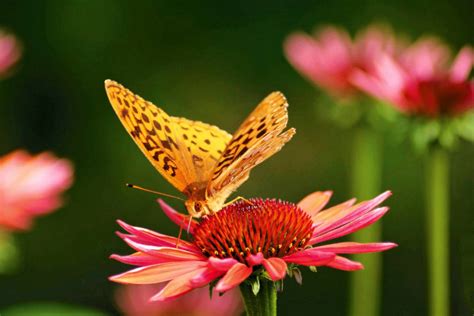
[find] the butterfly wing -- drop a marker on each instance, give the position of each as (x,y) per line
(178,148)
(205,144)
(259,137)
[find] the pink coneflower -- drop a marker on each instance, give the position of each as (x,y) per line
(134,300)
(421,81)
(330,57)
(31,186)
(244,239)
(10,52)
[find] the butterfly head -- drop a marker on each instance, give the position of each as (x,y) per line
(197,208)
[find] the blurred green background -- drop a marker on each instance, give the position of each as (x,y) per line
(211,61)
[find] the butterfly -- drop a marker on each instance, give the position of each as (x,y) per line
(202,161)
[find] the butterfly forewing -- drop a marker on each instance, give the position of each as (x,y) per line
(151,129)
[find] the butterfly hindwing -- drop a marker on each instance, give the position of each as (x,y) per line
(258,138)
(204,142)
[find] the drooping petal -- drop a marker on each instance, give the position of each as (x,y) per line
(138,259)
(310,257)
(206,277)
(236,275)
(148,236)
(255,260)
(177,287)
(359,223)
(355,247)
(183,221)
(157,273)
(276,268)
(345,264)
(222,264)
(166,253)
(315,202)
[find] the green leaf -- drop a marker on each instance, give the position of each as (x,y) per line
(255,284)
(298,276)
(465,126)
(279,285)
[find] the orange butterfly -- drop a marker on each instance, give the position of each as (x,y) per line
(204,162)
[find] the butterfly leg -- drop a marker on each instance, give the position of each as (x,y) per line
(179,236)
(238,199)
(181,231)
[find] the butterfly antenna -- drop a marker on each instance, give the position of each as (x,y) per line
(133,186)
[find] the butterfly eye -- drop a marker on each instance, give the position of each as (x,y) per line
(197,207)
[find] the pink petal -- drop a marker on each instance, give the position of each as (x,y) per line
(275,267)
(315,202)
(332,211)
(147,236)
(177,287)
(165,253)
(157,273)
(334,220)
(425,58)
(206,277)
(236,275)
(255,260)
(355,247)
(345,264)
(462,65)
(137,259)
(310,257)
(302,52)
(179,219)
(369,83)
(222,264)
(348,228)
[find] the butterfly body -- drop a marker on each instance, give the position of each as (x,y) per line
(202,161)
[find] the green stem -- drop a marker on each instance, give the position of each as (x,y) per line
(365,292)
(437,194)
(9,258)
(262,304)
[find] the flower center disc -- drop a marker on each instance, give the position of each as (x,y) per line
(272,227)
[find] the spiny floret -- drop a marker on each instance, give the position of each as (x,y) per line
(272,227)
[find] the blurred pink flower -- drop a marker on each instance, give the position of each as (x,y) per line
(10,52)
(330,56)
(227,246)
(134,300)
(421,81)
(31,186)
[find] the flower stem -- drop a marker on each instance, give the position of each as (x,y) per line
(365,292)
(262,304)
(437,194)
(9,257)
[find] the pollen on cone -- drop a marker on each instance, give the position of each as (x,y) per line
(272,227)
